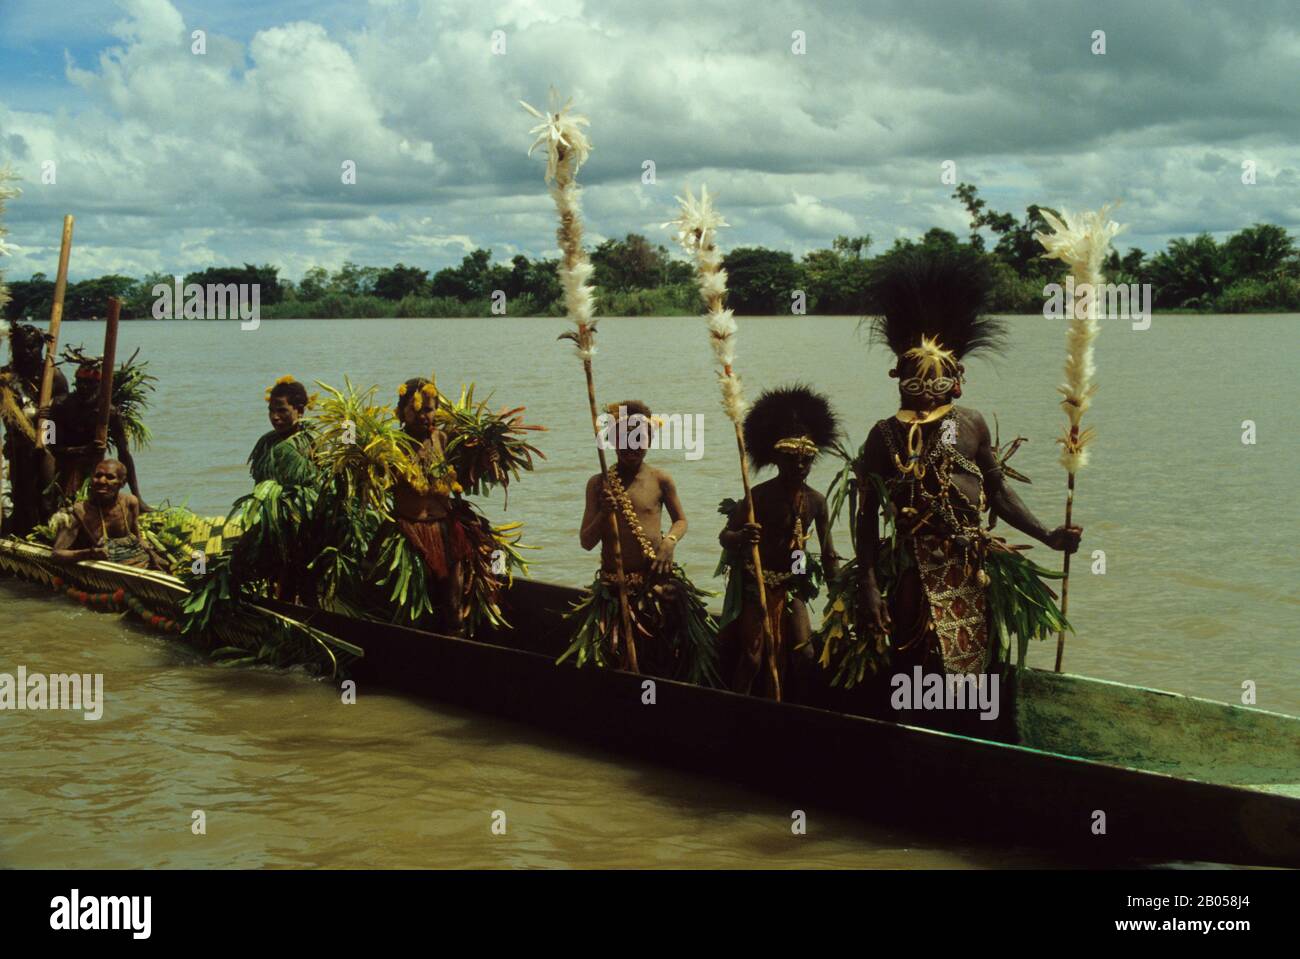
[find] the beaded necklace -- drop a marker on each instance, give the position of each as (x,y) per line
(624,503)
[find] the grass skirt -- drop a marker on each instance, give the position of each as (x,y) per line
(675,635)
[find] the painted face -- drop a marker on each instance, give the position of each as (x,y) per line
(937,387)
(926,392)
(107,479)
(284,416)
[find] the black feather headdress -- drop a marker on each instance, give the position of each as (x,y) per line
(788,413)
(932,302)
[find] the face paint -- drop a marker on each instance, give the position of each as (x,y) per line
(938,386)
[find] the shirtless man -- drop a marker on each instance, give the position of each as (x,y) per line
(663,602)
(786,428)
(29,469)
(425,516)
(106,525)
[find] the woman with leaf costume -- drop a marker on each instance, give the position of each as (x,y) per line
(434,556)
(938,587)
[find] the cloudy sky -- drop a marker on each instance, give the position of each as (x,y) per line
(174,161)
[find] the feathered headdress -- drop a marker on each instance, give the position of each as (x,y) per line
(791,417)
(929,307)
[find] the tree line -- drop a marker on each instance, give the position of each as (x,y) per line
(1256,269)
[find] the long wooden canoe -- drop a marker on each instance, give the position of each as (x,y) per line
(1104,771)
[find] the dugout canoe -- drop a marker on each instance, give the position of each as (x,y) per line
(1103,771)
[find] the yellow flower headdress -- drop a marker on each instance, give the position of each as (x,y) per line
(281,382)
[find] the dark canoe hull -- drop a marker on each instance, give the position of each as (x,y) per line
(1153,763)
(947,784)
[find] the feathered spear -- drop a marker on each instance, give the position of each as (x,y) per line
(697,223)
(1081,242)
(567,148)
(7,193)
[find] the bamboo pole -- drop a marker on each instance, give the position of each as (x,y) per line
(1065,579)
(52,335)
(567,148)
(1081,242)
(769,640)
(697,223)
(624,608)
(106,374)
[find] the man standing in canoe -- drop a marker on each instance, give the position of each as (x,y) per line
(672,630)
(29,469)
(936,465)
(786,428)
(106,525)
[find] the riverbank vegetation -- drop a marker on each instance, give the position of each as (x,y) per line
(1256,269)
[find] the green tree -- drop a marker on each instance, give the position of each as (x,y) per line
(629,264)
(314,284)
(30,298)
(353,280)
(89,298)
(1258,251)
(1189,273)
(399,281)
(761,281)
(265,277)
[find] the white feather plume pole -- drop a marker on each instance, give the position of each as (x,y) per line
(560,133)
(567,148)
(7,193)
(1081,242)
(697,224)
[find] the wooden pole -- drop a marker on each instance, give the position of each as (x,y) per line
(769,640)
(52,336)
(106,374)
(625,611)
(1065,579)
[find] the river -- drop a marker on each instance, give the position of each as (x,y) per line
(1197,595)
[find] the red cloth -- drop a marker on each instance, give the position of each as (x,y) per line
(438,541)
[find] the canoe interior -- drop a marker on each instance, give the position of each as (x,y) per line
(1159,731)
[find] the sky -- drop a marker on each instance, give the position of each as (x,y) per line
(806,121)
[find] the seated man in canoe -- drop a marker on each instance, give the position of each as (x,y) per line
(672,633)
(28,469)
(786,428)
(939,591)
(76,419)
(284,453)
(106,525)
